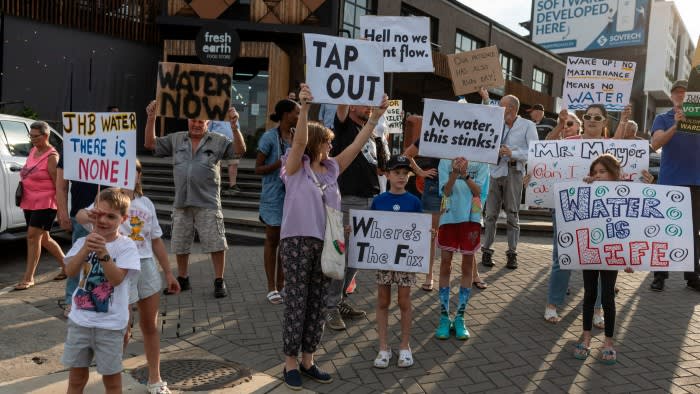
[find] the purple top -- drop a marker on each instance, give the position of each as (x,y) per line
(303,214)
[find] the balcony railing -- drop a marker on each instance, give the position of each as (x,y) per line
(126,19)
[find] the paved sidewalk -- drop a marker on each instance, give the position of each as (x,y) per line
(512,349)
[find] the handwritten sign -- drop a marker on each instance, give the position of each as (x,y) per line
(451,130)
(392,241)
(100,148)
(597,81)
(552,162)
(344,71)
(405,41)
(691,105)
(612,225)
(193,91)
(393,117)
(472,70)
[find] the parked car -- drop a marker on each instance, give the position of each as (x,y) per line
(14,149)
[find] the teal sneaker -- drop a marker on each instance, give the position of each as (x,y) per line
(460,328)
(443,330)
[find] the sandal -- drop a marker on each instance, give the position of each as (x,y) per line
(61,276)
(581,351)
(24,285)
(158,388)
(481,285)
(405,358)
(598,321)
(274,297)
(609,356)
(382,359)
(551,316)
(427,286)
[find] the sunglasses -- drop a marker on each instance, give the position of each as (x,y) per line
(596,118)
(569,123)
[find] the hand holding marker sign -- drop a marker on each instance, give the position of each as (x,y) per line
(344,71)
(100,148)
(405,41)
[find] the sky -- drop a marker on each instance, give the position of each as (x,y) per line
(511,12)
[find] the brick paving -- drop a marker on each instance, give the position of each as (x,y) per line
(511,349)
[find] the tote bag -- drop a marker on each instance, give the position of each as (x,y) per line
(333,254)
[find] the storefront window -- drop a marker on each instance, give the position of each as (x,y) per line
(249,97)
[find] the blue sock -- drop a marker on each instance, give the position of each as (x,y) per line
(444,294)
(464,293)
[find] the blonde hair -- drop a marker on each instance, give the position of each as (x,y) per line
(318,134)
(116,199)
(138,189)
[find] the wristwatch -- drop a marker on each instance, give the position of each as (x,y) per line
(106,257)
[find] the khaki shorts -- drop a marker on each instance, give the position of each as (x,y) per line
(210,227)
(226,163)
(146,283)
(403,279)
(83,344)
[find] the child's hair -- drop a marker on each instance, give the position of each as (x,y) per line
(318,133)
(116,199)
(282,107)
(138,189)
(611,164)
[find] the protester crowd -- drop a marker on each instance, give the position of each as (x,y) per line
(311,168)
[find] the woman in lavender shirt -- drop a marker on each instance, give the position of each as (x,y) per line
(301,235)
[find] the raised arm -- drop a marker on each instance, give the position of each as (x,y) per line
(346,157)
(622,125)
(150,133)
(555,134)
(238,140)
(301,135)
(411,152)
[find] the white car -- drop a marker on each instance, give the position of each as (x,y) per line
(14,149)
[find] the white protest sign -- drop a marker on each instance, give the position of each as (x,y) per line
(611,225)
(391,241)
(552,162)
(100,148)
(452,129)
(405,41)
(344,71)
(393,117)
(597,81)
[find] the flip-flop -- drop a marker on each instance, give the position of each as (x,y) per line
(610,352)
(24,285)
(274,297)
(481,285)
(61,276)
(427,286)
(581,351)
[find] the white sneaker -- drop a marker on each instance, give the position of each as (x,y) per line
(382,360)
(158,388)
(405,358)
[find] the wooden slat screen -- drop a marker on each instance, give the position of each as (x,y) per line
(127,19)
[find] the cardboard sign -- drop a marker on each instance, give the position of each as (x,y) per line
(613,225)
(472,70)
(405,41)
(393,117)
(193,91)
(597,81)
(344,71)
(392,241)
(553,162)
(452,129)
(100,148)
(691,105)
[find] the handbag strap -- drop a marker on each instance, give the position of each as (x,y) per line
(35,166)
(318,184)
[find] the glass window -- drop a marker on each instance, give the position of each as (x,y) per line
(17,136)
(353,10)
(407,10)
(466,42)
(541,81)
(249,97)
(512,66)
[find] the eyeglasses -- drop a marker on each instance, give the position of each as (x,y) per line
(32,136)
(596,118)
(569,123)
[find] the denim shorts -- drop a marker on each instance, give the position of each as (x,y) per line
(431,196)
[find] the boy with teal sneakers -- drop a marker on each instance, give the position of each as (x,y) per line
(396,199)
(459,231)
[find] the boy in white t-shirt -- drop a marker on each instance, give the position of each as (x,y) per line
(100,313)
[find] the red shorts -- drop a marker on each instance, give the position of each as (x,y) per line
(464,238)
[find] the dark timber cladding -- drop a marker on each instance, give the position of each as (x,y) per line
(129,20)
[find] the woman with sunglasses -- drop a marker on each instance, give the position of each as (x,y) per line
(568,125)
(39,202)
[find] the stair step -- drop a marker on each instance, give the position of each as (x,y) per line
(169,173)
(153,189)
(231,216)
(248,205)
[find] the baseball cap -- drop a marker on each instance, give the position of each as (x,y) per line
(396,162)
(681,83)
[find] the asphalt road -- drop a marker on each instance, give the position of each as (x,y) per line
(13,260)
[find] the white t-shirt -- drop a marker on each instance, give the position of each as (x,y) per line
(96,303)
(142,225)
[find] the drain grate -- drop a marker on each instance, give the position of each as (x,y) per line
(197,375)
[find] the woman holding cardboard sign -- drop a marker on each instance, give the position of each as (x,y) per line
(310,177)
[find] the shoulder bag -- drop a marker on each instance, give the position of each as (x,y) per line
(19,192)
(333,255)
